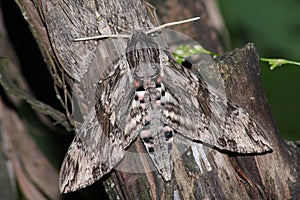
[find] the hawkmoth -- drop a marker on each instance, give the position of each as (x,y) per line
(147,95)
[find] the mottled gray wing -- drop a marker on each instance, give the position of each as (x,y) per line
(108,129)
(115,100)
(90,156)
(199,112)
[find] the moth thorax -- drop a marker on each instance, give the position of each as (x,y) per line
(147,74)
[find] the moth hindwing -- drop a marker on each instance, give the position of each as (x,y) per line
(151,97)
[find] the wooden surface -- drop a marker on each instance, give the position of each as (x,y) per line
(218,175)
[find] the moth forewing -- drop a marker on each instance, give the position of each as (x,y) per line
(207,115)
(83,164)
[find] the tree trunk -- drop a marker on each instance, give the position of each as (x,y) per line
(199,173)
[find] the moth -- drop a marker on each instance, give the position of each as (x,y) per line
(147,95)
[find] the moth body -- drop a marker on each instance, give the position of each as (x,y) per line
(148,95)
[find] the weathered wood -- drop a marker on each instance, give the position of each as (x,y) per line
(218,175)
(209,31)
(23,161)
(242,77)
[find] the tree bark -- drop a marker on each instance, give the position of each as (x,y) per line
(275,175)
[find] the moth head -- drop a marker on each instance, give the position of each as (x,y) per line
(140,40)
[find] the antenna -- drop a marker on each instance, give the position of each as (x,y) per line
(102,37)
(128,36)
(172,24)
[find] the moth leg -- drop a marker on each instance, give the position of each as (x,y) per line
(106,77)
(115,70)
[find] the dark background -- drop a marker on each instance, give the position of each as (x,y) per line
(274,27)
